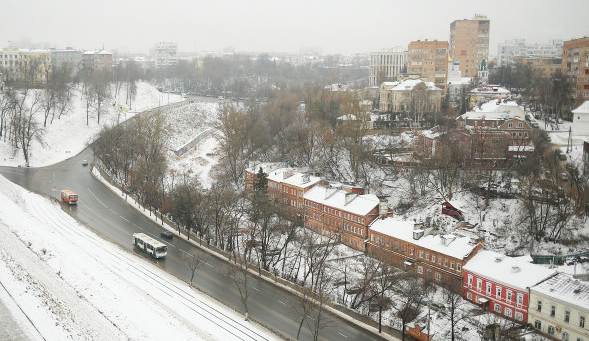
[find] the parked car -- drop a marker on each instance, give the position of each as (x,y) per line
(167,234)
(84,163)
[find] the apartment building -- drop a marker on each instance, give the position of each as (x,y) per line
(406,245)
(429,60)
(411,95)
(559,308)
(469,43)
(386,66)
(341,210)
(575,64)
(67,56)
(545,65)
(97,60)
(500,283)
(510,51)
(165,54)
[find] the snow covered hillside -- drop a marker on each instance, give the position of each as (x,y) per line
(69,135)
(73,285)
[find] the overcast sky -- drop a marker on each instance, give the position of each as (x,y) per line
(332,26)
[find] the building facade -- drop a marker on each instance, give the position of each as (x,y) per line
(97,60)
(412,95)
(500,284)
(509,51)
(386,66)
(165,54)
(67,56)
(429,60)
(545,65)
(559,308)
(575,64)
(469,43)
(406,245)
(25,65)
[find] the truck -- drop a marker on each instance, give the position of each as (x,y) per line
(69,197)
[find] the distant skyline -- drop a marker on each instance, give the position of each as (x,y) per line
(328,26)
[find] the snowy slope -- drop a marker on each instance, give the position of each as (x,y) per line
(74,285)
(69,135)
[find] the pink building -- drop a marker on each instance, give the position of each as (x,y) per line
(501,284)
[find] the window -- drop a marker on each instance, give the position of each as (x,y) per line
(420,269)
(509,294)
(488,289)
(469,296)
(582,321)
(508,312)
(519,298)
(538,324)
(469,280)
(519,316)
(452,265)
(567,316)
(498,292)
(552,311)
(437,276)
(420,253)
(433,258)
(565,336)
(497,308)
(539,306)
(479,284)
(550,330)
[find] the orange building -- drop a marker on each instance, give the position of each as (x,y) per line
(546,65)
(575,64)
(429,60)
(469,44)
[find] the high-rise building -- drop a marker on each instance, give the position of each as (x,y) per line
(575,63)
(97,60)
(386,65)
(509,51)
(429,60)
(165,54)
(469,43)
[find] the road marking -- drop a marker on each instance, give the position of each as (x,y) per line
(282,302)
(95,197)
(212,266)
(342,334)
(256,289)
(125,219)
(187,253)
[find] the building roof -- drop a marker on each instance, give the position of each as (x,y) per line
(449,244)
(582,109)
(486,116)
(291,176)
(336,198)
(491,89)
(520,148)
(565,288)
(515,272)
(410,84)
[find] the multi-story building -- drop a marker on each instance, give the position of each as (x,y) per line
(485,93)
(500,283)
(412,95)
(510,51)
(575,64)
(429,60)
(67,56)
(545,65)
(165,54)
(386,66)
(97,60)
(24,64)
(343,211)
(405,245)
(559,308)
(469,43)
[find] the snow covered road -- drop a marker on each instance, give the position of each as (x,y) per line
(73,284)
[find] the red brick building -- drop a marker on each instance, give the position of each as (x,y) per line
(501,284)
(406,245)
(343,210)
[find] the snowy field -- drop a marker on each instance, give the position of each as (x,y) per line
(69,135)
(73,285)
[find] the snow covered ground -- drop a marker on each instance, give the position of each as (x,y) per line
(69,135)
(74,285)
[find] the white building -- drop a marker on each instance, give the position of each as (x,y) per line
(386,65)
(67,56)
(14,62)
(165,54)
(559,308)
(510,49)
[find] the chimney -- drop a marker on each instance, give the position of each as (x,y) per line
(305,178)
(417,234)
(515,269)
(350,197)
(287,173)
(447,239)
(383,209)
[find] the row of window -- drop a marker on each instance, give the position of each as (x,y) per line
(552,331)
(566,317)
(498,291)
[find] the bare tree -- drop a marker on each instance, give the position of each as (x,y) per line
(193,263)
(411,296)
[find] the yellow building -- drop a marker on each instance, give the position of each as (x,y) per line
(575,63)
(429,60)
(25,65)
(469,43)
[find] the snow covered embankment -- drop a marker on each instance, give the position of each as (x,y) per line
(74,285)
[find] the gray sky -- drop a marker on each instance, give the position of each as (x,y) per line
(339,26)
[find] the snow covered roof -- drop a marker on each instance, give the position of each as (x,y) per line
(267,167)
(347,117)
(388,85)
(516,272)
(459,81)
(487,116)
(431,133)
(291,176)
(449,244)
(565,288)
(409,84)
(490,90)
(336,198)
(520,148)
(582,109)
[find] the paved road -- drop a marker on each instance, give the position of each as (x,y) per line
(113,219)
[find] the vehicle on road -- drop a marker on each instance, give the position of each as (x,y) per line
(84,162)
(167,234)
(69,197)
(149,245)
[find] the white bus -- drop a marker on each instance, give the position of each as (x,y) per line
(151,246)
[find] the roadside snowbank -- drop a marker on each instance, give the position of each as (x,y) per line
(74,285)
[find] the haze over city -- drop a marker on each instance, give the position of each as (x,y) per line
(279,26)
